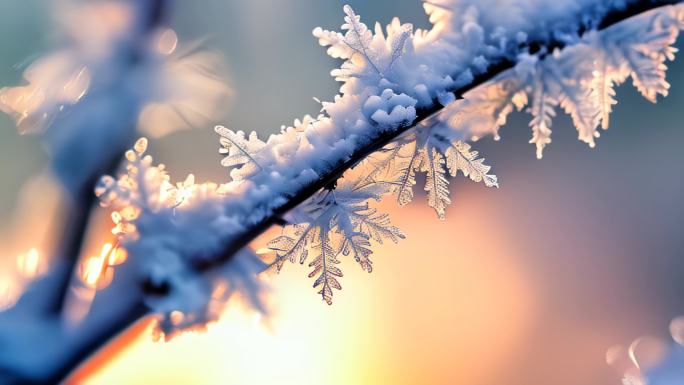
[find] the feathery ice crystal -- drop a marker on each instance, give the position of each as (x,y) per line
(392,83)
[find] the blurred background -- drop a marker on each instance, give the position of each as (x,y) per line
(527,284)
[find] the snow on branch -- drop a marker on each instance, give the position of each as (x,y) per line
(409,102)
(157,219)
(471,68)
(119,71)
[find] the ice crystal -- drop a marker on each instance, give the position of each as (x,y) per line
(580,78)
(167,228)
(333,223)
(432,149)
(240,151)
(365,50)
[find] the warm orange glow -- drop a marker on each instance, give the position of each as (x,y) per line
(118,256)
(97,271)
(8,293)
(427,314)
(29,264)
(177,317)
(92,270)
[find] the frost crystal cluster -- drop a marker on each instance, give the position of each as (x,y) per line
(409,103)
(176,226)
(579,79)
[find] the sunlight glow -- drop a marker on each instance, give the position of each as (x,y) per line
(96,272)
(93,268)
(371,333)
(29,264)
(9,293)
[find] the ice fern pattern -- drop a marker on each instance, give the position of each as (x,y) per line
(400,116)
(239,150)
(331,224)
(432,149)
(581,79)
(363,49)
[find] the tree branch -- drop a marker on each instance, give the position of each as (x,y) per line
(127,315)
(422,115)
(82,203)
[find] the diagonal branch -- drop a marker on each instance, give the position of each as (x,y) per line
(422,114)
(127,315)
(82,202)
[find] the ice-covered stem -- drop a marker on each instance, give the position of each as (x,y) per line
(81,205)
(97,339)
(275,212)
(265,208)
(39,349)
(151,14)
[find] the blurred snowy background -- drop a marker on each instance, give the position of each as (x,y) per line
(573,254)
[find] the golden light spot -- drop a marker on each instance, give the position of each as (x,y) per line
(96,272)
(180,193)
(29,264)
(8,293)
(177,317)
(118,256)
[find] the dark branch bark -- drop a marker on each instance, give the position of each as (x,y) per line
(97,340)
(73,358)
(80,208)
(422,115)
(82,203)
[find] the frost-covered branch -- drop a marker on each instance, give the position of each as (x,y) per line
(335,164)
(409,113)
(119,72)
(409,102)
(78,100)
(130,51)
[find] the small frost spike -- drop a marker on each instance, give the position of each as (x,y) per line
(240,152)
(334,223)
(358,36)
